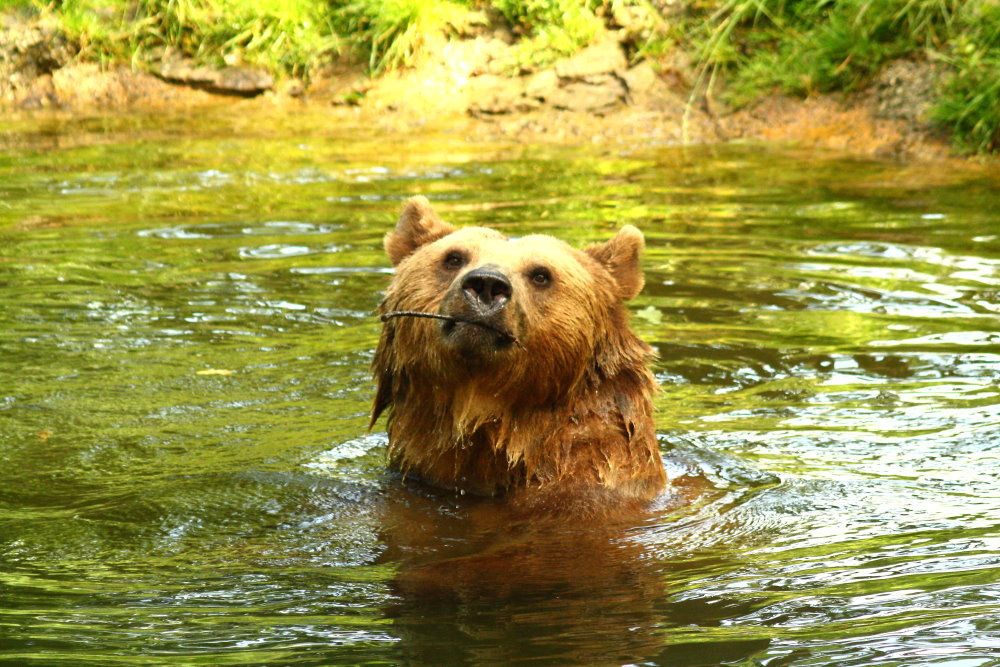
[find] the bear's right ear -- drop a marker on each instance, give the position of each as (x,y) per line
(620,256)
(417,226)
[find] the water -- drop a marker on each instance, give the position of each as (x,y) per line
(186,477)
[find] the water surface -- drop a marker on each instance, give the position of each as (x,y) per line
(186,477)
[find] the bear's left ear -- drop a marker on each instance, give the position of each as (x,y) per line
(620,256)
(417,226)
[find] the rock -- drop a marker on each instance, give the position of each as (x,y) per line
(39,93)
(237,80)
(492,94)
(904,90)
(588,82)
(33,49)
(88,85)
(671,9)
(640,78)
(540,84)
(30,51)
(589,96)
(679,70)
(293,87)
(241,80)
(639,22)
(603,57)
(184,71)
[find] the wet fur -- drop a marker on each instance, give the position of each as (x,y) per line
(563,423)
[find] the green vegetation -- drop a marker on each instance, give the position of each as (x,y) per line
(392,32)
(296,36)
(549,28)
(742,49)
(810,46)
(970,98)
(287,36)
(819,46)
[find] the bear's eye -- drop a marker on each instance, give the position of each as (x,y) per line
(454,260)
(540,276)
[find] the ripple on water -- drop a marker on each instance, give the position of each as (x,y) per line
(237,229)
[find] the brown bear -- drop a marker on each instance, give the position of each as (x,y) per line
(507,367)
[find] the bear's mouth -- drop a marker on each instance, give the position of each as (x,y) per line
(472,332)
(451,323)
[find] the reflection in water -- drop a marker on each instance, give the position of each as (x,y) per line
(469,592)
(185,333)
(474,584)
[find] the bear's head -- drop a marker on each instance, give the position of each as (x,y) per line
(529,315)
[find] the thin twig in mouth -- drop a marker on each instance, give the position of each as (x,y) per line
(385,317)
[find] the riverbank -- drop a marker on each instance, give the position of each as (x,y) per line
(597,95)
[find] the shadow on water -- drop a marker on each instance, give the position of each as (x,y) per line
(185,332)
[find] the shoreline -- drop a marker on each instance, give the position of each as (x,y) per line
(592,97)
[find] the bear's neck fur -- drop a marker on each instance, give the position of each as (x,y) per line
(595,438)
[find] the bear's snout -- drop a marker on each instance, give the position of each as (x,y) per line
(478,305)
(486,289)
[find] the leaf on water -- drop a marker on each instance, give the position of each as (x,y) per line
(214,371)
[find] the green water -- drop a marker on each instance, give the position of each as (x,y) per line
(186,477)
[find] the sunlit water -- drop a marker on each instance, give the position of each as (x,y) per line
(186,477)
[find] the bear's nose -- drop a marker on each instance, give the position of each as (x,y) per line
(486,288)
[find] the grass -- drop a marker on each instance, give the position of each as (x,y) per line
(549,29)
(819,46)
(393,32)
(969,103)
(287,36)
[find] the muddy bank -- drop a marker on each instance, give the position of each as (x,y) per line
(595,96)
